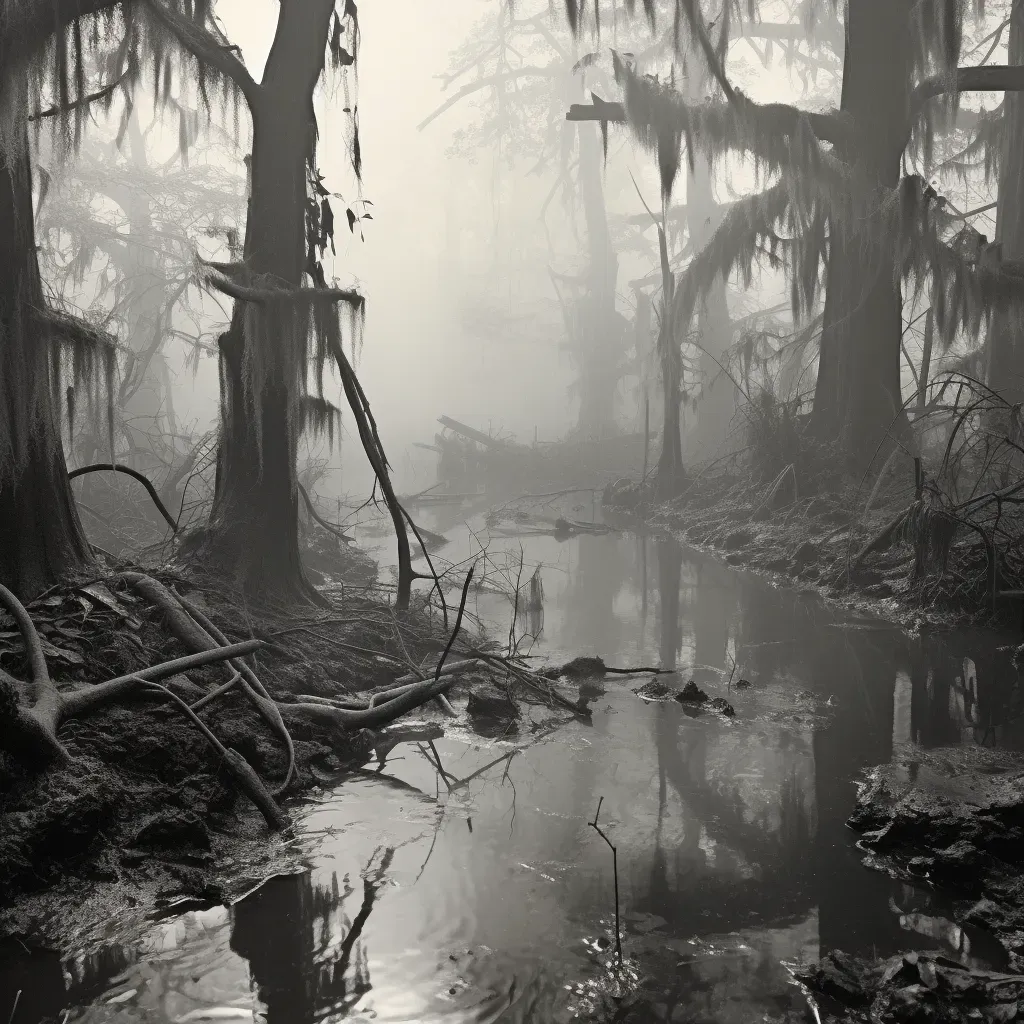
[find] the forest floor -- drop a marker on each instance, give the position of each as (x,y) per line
(145,812)
(822,541)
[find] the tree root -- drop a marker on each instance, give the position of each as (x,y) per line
(35,722)
(241,771)
(36,725)
(193,629)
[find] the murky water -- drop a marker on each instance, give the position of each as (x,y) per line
(460,880)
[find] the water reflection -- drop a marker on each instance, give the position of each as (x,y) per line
(463,880)
(307,958)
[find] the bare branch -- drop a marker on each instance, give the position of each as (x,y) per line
(551,71)
(84,101)
(990,78)
(245,293)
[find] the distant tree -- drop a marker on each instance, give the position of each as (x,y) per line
(525,67)
(119,232)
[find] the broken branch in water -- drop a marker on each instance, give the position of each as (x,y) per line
(615,870)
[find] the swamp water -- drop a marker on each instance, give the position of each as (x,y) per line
(479,892)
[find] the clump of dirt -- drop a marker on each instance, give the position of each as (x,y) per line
(492,710)
(654,689)
(695,697)
(915,988)
(955,819)
(578,668)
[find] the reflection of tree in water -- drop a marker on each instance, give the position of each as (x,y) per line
(971,695)
(307,959)
(670,568)
(590,620)
(714,607)
(684,885)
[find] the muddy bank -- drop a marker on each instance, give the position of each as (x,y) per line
(146,811)
(952,819)
(819,542)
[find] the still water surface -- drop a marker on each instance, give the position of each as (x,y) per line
(482,894)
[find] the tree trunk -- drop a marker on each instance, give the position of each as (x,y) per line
(41,537)
(254,522)
(857,395)
(716,404)
(670,462)
(599,326)
(1006,346)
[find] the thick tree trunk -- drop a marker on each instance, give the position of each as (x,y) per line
(600,325)
(254,522)
(857,396)
(41,537)
(1006,346)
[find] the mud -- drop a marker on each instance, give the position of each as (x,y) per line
(146,813)
(812,544)
(952,819)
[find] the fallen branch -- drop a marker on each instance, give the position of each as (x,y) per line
(371,718)
(311,508)
(114,467)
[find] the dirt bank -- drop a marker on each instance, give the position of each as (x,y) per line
(145,810)
(820,542)
(952,819)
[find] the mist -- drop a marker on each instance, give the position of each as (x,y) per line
(511,510)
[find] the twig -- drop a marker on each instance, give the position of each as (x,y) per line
(343,537)
(615,870)
(458,622)
(14,1008)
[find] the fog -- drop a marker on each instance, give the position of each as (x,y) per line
(462,314)
(419,359)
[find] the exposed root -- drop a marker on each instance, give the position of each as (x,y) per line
(34,727)
(241,771)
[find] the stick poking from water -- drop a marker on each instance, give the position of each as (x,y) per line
(615,871)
